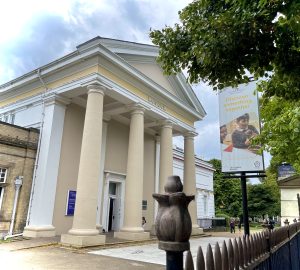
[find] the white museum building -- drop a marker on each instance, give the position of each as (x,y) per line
(107,117)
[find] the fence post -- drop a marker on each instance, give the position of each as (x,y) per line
(173,223)
(268,245)
(289,245)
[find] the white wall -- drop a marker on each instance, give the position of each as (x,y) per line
(29,117)
(204,185)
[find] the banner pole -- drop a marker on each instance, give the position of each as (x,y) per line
(245,204)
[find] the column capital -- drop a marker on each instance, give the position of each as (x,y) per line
(190,135)
(96,88)
(55,99)
(136,108)
(166,123)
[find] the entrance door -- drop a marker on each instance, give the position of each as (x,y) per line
(113,202)
(111,216)
(114,211)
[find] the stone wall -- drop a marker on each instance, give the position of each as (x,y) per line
(18,147)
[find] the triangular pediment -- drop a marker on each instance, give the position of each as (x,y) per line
(142,57)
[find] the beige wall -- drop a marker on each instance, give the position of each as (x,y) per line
(115,161)
(149,179)
(69,163)
(154,72)
(116,147)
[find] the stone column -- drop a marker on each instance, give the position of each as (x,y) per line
(166,154)
(84,232)
(132,226)
(189,178)
(41,207)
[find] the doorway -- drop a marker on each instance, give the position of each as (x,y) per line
(113,202)
(111,215)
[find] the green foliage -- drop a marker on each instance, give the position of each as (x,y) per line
(222,41)
(281,130)
(261,201)
(228,196)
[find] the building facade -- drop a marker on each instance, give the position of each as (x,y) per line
(107,116)
(17,158)
(205,200)
(289,193)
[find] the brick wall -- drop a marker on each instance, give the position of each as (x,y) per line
(18,148)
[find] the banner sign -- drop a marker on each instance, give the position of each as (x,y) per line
(239,123)
(71,199)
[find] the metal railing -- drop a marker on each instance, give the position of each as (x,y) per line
(268,250)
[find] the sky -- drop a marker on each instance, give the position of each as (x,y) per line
(35,32)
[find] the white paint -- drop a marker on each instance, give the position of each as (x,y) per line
(28,117)
(120,196)
(204,183)
(43,196)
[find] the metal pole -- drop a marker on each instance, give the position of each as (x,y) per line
(245,204)
(18,183)
(174,260)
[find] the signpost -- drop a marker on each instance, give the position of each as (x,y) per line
(239,125)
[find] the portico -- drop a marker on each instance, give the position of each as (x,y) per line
(110,104)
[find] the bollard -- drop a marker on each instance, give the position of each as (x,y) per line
(173,223)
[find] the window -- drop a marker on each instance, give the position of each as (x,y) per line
(112,190)
(144,205)
(3,173)
(12,118)
(205,205)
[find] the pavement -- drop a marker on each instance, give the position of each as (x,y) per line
(47,253)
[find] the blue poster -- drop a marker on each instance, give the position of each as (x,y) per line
(71,203)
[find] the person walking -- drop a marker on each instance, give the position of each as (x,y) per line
(232,226)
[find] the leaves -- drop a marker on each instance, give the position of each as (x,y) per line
(220,42)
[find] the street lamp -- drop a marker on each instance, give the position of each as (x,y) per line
(18,183)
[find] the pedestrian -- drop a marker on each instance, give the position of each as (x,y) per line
(271,224)
(232,226)
(144,222)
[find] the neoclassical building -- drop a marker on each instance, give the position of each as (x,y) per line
(107,116)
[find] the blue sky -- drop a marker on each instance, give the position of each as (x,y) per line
(34,33)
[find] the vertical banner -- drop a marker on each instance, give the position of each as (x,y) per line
(239,123)
(71,199)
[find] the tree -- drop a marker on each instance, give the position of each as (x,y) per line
(227,42)
(281,130)
(261,201)
(228,196)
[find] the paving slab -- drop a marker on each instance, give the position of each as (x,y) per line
(151,254)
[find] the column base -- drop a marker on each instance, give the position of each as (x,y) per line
(196,230)
(134,236)
(82,240)
(39,231)
(99,227)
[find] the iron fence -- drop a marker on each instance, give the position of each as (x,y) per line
(268,250)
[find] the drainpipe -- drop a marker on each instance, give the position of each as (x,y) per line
(18,184)
(39,146)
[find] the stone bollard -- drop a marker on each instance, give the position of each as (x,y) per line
(173,223)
